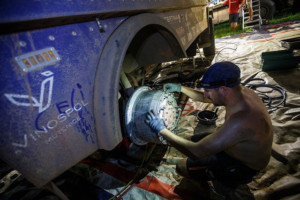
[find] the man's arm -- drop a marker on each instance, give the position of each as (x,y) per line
(181,144)
(195,94)
(193,150)
(209,145)
(192,93)
(231,133)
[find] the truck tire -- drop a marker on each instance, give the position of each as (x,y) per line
(210,36)
(267,9)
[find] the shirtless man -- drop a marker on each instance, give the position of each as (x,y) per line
(241,147)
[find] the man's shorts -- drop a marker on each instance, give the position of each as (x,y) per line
(221,167)
(249,3)
(233,17)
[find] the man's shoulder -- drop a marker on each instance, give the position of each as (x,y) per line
(249,121)
(244,117)
(237,128)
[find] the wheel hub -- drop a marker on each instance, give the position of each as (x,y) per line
(140,103)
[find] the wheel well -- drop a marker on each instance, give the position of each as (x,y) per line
(149,39)
(154,44)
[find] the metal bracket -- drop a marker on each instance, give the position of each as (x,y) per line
(55,190)
(101,28)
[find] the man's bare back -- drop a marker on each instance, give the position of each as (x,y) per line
(251,123)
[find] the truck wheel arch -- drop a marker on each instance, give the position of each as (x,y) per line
(142,33)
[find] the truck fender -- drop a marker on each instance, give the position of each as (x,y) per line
(151,40)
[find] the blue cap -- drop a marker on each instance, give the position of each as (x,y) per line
(221,74)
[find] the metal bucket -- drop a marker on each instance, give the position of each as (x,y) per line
(140,103)
(207,117)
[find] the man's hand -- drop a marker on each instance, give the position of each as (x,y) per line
(172,87)
(154,122)
(244,4)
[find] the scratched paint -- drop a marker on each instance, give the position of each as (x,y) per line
(44,102)
(63,130)
(41,124)
(84,125)
(70,113)
(61,123)
(187,23)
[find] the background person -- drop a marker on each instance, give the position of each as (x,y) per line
(234,7)
(248,4)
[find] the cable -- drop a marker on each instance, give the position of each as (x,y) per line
(218,54)
(246,83)
(234,49)
(268,101)
(259,35)
(129,183)
(121,195)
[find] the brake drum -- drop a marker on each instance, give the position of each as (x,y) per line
(140,103)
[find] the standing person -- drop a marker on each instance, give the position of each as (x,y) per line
(233,12)
(248,4)
(238,150)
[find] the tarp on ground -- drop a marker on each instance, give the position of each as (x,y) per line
(281,178)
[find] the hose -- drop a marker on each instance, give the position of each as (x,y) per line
(129,185)
(268,100)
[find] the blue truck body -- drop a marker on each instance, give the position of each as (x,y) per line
(60,70)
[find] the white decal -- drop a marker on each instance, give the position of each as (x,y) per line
(21,145)
(26,100)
